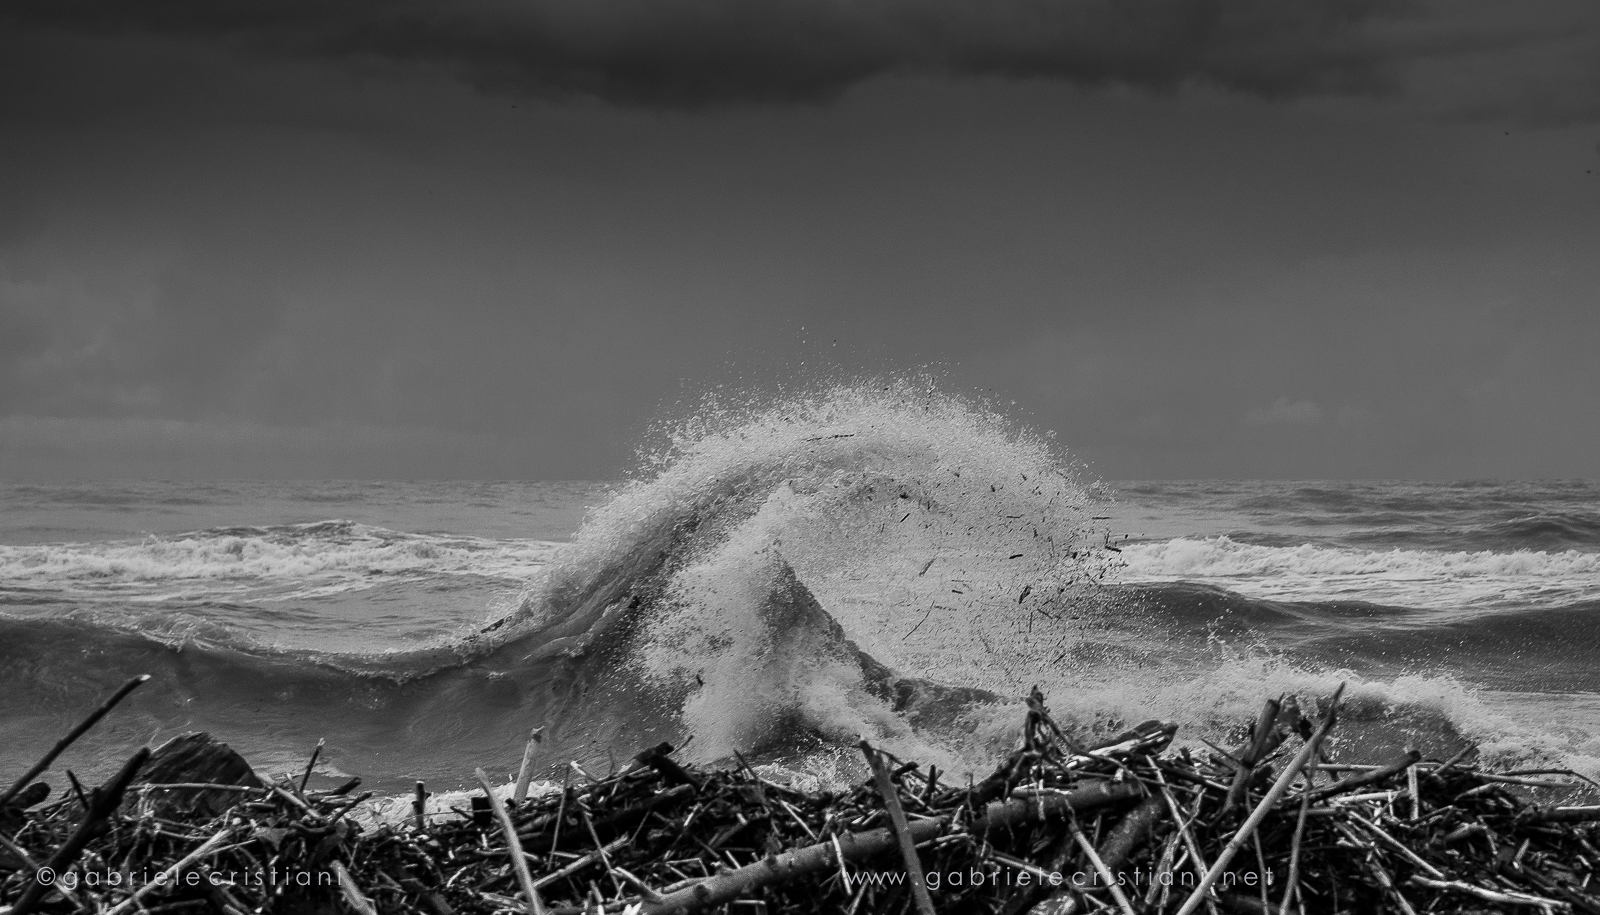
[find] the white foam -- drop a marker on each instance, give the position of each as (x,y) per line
(309,557)
(1422,579)
(1217,698)
(439,807)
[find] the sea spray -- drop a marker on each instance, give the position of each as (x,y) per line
(941,540)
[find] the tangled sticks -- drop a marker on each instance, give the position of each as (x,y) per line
(1128,827)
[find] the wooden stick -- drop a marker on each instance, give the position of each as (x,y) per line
(293,801)
(838,853)
(312,764)
(600,846)
(1294,856)
(1404,762)
(578,865)
(1560,815)
(1416,796)
(1491,895)
(33,868)
(104,803)
(646,891)
(1405,852)
(1099,866)
(1163,866)
(897,816)
(72,735)
(1251,755)
(1017,864)
(209,786)
(519,862)
(352,893)
(1197,859)
(165,879)
(1455,759)
(525,773)
(419,807)
(1522,780)
(1379,872)
(561,813)
(1262,809)
(1261,871)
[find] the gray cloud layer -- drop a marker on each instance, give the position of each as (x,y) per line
(695,52)
(284,238)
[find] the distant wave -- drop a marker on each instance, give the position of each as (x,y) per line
(1409,578)
(303,558)
(1549,531)
(1544,647)
(1468,516)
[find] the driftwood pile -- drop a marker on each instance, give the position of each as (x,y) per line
(1127,827)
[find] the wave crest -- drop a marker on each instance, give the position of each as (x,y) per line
(1423,579)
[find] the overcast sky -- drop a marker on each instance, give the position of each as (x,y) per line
(285,238)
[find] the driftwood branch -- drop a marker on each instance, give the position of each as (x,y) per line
(897,819)
(1381,774)
(72,735)
(519,861)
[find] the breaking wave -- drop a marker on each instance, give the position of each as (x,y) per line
(874,559)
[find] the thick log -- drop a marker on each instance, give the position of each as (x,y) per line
(1589,814)
(857,846)
(196,759)
(1131,832)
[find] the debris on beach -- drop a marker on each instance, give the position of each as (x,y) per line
(1130,826)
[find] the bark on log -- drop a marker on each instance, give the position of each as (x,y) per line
(997,816)
(195,759)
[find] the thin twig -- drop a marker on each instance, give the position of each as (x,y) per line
(1491,895)
(1099,866)
(312,764)
(1294,856)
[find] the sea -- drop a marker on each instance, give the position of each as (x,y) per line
(782,580)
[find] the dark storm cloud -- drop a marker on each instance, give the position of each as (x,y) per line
(694,52)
